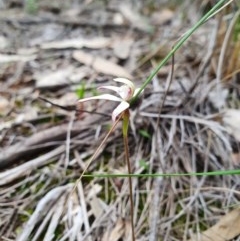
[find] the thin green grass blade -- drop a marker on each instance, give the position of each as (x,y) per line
(215,173)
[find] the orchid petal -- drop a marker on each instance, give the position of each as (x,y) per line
(119,109)
(126,82)
(136,91)
(114,88)
(102,97)
(125,92)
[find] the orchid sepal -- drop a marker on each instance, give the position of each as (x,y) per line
(113,88)
(102,97)
(120,109)
(126,82)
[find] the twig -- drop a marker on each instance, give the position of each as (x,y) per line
(19,171)
(73,108)
(83,205)
(13,154)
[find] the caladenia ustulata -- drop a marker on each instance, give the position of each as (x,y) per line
(126,94)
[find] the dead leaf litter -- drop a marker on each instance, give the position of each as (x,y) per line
(64,50)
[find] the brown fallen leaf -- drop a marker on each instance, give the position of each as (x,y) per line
(218,97)
(78,43)
(6,58)
(60,77)
(121,48)
(225,229)
(231,120)
(52,79)
(138,21)
(101,65)
(5,106)
(97,205)
(4,42)
(118,19)
(122,230)
(66,99)
(27,114)
(235,157)
(162,16)
(27,51)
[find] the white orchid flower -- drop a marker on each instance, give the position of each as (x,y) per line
(126,93)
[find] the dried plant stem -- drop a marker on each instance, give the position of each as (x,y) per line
(125,139)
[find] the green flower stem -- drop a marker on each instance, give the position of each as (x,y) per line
(179,44)
(125,123)
(125,139)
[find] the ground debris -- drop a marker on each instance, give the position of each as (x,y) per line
(54,53)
